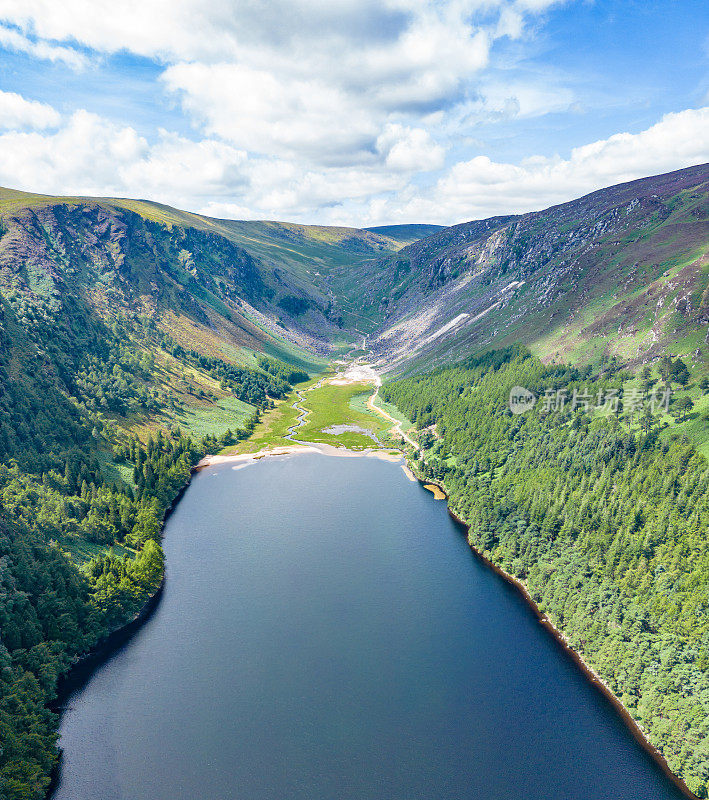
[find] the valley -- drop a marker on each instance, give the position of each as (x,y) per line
(138,341)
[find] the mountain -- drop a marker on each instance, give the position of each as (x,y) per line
(406,234)
(72,267)
(621,271)
(266,281)
(617,272)
(135,338)
(601,518)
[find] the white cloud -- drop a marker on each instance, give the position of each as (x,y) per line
(186,172)
(480,187)
(91,156)
(274,116)
(409,149)
(190,30)
(328,100)
(17,112)
(514,98)
(145,27)
(11,39)
(83,157)
(319,80)
(286,190)
(316,110)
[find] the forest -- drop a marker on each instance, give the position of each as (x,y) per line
(602,514)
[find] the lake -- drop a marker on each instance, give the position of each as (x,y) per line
(325,632)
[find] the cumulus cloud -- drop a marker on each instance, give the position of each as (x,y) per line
(329,99)
(89,155)
(191,30)
(481,187)
(274,116)
(409,149)
(146,27)
(320,80)
(17,112)
(83,156)
(347,111)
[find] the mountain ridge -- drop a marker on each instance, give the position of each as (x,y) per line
(577,280)
(597,244)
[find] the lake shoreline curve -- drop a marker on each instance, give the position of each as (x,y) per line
(589,673)
(559,637)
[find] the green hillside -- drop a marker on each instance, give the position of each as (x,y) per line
(295,260)
(406,234)
(621,272)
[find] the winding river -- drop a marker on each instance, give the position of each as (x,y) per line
(325,633)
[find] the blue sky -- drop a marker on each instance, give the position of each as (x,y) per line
(350,111)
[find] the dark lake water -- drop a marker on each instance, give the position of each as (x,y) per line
(326,633)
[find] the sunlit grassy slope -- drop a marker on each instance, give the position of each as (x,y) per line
(623,271)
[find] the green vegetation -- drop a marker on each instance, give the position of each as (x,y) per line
(248,385)
(295,306)
(327,405)
(52,610)
(603,517)
(215,419)
(394,412)
(330,405)
(270,431)
(283,371)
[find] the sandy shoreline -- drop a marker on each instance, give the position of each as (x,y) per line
(409,474)
(355,373)
(297,449)
(216,460)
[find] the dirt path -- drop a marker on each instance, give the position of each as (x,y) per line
(397,425)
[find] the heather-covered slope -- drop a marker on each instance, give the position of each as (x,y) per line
(180,287)
(621,271)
